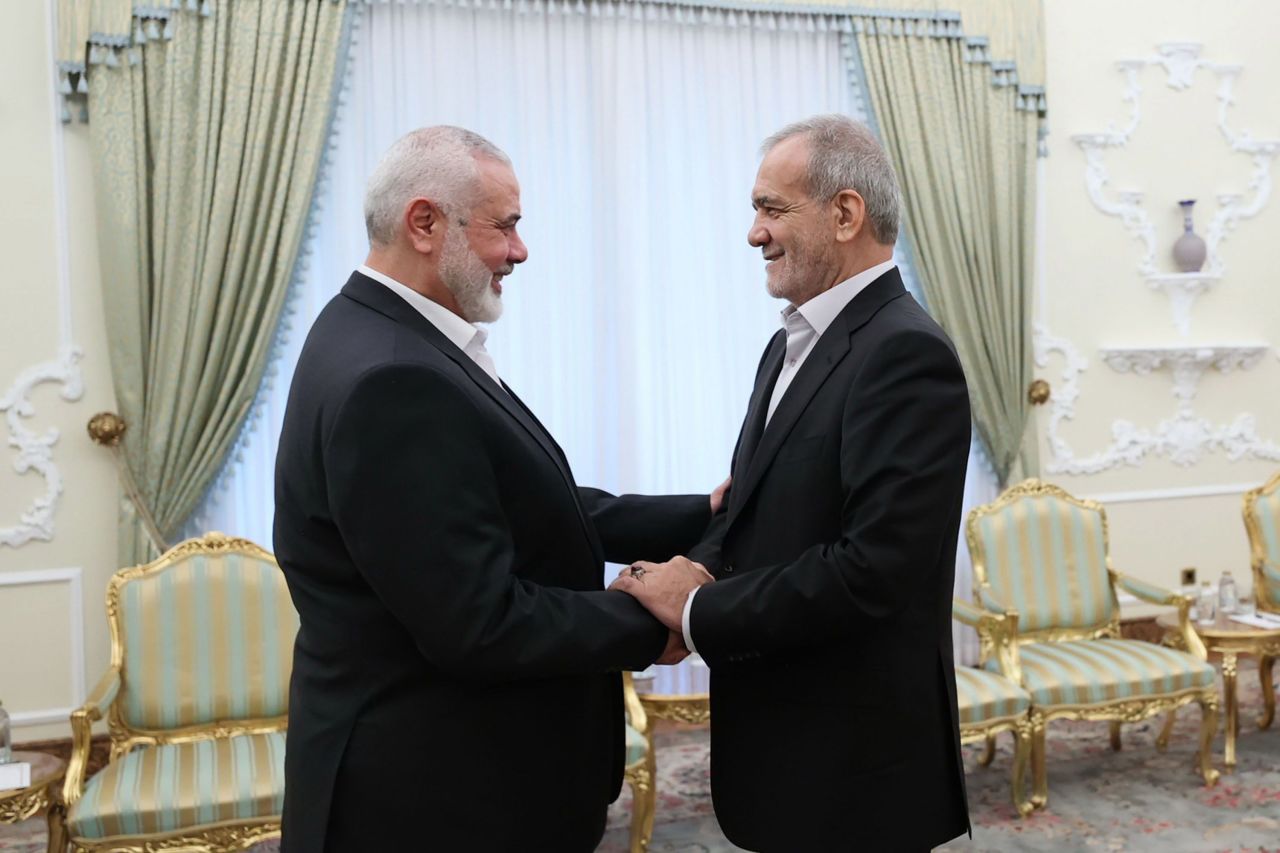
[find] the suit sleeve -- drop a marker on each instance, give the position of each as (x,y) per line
(642,527)
(415,499)
(904,449)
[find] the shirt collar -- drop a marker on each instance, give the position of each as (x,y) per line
(461,333)
(822,310)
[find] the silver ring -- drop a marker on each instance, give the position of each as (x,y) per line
(637,572)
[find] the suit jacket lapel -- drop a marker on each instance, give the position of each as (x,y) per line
(753,426)
(830,350)
(368,292)
(557,455)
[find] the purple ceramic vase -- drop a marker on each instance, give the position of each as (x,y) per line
(1189,250)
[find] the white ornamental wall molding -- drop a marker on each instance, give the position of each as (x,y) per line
(1180,61)
(33,451)
(1185,438)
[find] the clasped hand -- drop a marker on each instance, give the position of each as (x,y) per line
(663,589)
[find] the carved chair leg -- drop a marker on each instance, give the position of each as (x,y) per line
(990,751)
(1039,769)
(1115,735)
(1021,754)
(1268,691)
(57,820)
(1208,728)
(1162,739)
(642,803)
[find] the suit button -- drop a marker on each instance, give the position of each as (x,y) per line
(728,570)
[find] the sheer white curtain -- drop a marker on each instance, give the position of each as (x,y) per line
(980,487)
(635,327)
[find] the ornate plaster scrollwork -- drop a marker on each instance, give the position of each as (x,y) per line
(35,450)
(1180,61)
(1185,438)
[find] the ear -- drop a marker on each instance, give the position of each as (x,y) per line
(850,213)
(424,223)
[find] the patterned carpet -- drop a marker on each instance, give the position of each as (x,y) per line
(1137,799)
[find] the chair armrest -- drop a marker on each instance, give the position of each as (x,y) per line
(1148,592)
(998,632)
(631,702)
(963,611)
(987,598)
(82,720)
(1159,595)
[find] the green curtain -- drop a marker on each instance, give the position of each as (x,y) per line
(963,137)
(208,125)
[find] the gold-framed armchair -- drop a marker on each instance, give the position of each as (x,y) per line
(641,767)
(990,703)
(1041,555)
(1262,523)
(196,704)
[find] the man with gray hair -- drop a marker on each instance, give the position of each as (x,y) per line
(455,681)
(827,628)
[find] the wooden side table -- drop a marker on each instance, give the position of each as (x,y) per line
(1231,639)
(44,792)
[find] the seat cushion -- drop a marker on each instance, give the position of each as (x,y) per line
(1097,672)
(985,696)
(637,745)
(177,786)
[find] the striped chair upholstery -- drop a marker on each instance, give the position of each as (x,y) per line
(1103,671)
(1046,558)
(167,788)
(637,746)
(208,638)
(196,702)
(985,696)
(1262,520)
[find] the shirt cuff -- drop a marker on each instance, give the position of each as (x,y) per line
(684,622)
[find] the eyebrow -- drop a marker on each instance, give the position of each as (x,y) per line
(763,200)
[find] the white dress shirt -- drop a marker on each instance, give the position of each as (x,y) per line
(804,324)
(465,336)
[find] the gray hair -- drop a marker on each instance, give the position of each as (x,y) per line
(845,155)
(438,163)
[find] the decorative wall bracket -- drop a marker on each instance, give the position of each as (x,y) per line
(1186,437)
(35,451)
(1180,61)
(1182,288)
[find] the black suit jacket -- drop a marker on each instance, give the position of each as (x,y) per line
(828,629)
(455,681)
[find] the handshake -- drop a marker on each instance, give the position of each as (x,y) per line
(663,589)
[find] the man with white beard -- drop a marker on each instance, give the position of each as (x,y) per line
(455,682)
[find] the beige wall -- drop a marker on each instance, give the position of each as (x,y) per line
(53,637)
(1093,295)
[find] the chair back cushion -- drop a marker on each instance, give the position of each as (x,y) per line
(1045,555)
(207,637)
(1262,515)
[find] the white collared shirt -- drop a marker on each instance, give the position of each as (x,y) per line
(465,336)
(804,324)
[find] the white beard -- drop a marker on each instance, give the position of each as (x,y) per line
(468,279)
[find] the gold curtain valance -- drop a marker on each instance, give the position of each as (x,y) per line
(1010,32)
(111,32)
